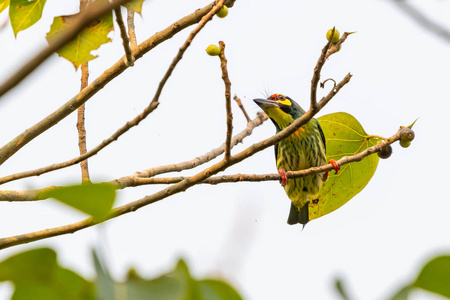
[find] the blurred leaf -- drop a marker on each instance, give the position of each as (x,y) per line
(135,5)
(95,199)
(104,285)
(211,289)
(78,51)
(402,294)
(37,275)
(435,276)
(24,13)
(3,5)
(344,136)
(340,289)
(175,285)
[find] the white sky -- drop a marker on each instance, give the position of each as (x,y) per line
(376,242)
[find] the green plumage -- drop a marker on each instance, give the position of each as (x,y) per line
(305,148)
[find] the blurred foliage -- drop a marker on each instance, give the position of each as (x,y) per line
(37,275)
(344,137)
(434,277)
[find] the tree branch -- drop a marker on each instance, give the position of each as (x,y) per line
(227,82)
(81,126)
(124,36)
(422,20)
(316,75)
(239,103)
(131,29)
(25,137)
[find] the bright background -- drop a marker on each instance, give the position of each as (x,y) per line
(376,242)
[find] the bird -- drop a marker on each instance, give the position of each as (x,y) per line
(303,149)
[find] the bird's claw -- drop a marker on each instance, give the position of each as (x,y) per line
(336,167)
(283,180)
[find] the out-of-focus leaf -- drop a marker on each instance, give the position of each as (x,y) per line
(344,137)
(24,13)
(95,199)
(37,275)
(105,287)
(435,276)
(3,5)
(402,294)
(211,289)
(341,289)
(135,5)
(78,51)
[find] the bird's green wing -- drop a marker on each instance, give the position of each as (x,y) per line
(322,136)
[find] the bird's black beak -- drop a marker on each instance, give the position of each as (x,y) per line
(266,103)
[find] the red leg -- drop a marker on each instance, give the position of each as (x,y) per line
(335,166)
(283,177)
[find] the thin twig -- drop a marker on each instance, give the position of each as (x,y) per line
(124,36)
(28,135)
(131,29)
(227,82)
(95,11)
(81,126)
(239,103)
(316,76)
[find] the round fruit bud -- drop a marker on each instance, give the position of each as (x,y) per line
(406,134)
(385,152)
(222,12)
(213,50)
(405,144)
(336,36)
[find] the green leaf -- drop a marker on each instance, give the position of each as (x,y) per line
(211,289)
(78,51)
(344,136)
(37,275)
(3,5)
(25,13)
(402,293)
(338,283)
(95,199)
(435,276)
(134,5)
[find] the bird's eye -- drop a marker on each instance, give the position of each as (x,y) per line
(281,97)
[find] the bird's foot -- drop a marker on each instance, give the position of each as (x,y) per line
(283,180)
(336,167)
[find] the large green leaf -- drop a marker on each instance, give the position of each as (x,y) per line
(78,51)
(24,13)
(95,199)
(37,275)
(135,5)
(344,137)
(435,276)
(3,5)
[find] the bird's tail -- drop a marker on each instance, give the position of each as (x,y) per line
(299,216)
